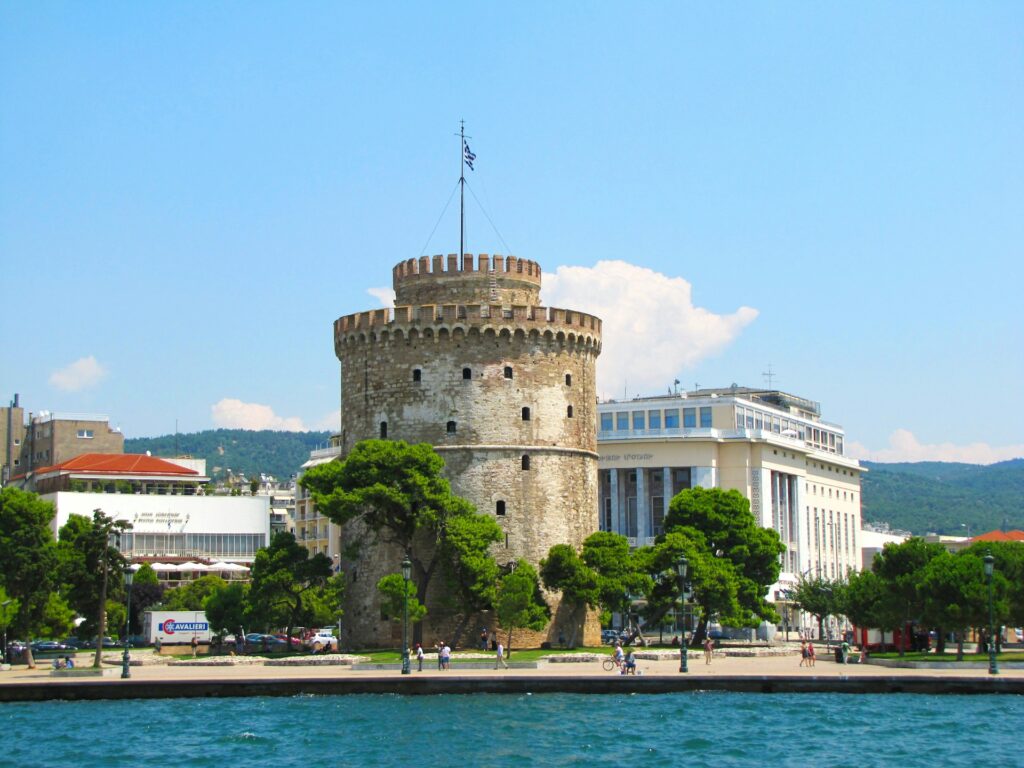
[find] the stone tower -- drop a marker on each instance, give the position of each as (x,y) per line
(505,391)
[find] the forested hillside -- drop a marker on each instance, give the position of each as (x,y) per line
(925,497)
(947,498)
(242,451)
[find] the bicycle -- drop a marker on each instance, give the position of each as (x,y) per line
(611,663)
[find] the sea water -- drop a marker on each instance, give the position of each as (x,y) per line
(699,729)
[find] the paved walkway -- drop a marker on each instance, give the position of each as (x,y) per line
(721,667)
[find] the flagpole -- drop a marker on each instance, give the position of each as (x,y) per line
(462,189)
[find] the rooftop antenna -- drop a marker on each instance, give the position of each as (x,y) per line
(696,386)
(769,375)
(675,386)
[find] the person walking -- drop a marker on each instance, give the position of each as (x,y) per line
(500,656)
(483,639)
(810,654)
(419,657)
(195,645)
(804,656)
(440,656)
(709,649)
(446,656)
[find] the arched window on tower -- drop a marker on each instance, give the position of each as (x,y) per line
(467,374)
(417,374)
(568,412)
(526,414)
(568,379)
(450,427)
(508,371)
(383,430)
(526,461)
(499,508)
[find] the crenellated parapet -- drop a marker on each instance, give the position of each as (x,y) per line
(562,326)
(426,267)
(481,279)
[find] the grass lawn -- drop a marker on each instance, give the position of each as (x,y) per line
(948,657)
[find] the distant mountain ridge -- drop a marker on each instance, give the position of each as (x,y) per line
(944,497)
(921,497)
(242,451)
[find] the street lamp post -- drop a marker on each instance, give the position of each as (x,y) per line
(406,573)
(681,568)
(126,658)
(993,667)
(3,656)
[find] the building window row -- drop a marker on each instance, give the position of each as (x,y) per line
(467,374)
(652,420)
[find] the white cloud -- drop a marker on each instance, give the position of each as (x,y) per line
(652,331)
(234,414)
(81,374)
(331,422)
(904,446)
(386,296)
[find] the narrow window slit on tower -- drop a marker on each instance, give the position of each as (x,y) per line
(467,373)
(450,427)
(526,462)
(499,508)
(508,371)
(526,414)
(383,430)
(568,412)
(417,374)
(568,379)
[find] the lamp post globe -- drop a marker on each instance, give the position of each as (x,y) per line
(126,672)
(682,569)
(993,666)
(406,574)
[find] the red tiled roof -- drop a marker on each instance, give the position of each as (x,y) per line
(1000,536)
(117,464)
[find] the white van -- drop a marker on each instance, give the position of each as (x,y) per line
(319,639)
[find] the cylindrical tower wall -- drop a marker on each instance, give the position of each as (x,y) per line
(506,394)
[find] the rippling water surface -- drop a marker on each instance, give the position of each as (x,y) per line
(717,729)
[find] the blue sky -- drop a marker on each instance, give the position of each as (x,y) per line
(191,193)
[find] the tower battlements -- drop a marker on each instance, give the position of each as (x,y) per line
(484,279)
(426,267)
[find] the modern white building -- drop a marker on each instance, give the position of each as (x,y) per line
(771,446)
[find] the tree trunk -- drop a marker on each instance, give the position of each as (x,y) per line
(102,623)
(575,623)
(508,645)
(940,642)
(960,645)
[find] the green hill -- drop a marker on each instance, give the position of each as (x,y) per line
(946,498)
(242,451)
(923,497)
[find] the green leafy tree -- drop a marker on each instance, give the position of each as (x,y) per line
(734,560)
(91,566)
(58,618)
(146,592)
(519,603)
(254,485)
(820,597)
(1007,578)
(28,557)
(285,583)
(901,567)
(397,493)
(564,571)
(225,608)
(955,595)
(619,573)
(469,569)
(864,603)
(192,595)
(394,590)
(8,613)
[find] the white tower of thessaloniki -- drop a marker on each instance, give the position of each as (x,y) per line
(505,391)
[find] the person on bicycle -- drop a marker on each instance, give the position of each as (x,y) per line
(619,655)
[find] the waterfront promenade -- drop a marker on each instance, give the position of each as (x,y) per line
(769,674)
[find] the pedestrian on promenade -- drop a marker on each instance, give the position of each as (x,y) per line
(156,646)
(419,657)
(500,656)
(810,654)
(709,649)
(195,645)
(483,639)
(446,656)
(804,656)
(845,651)
(440,655)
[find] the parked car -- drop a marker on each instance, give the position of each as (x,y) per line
(609,636)
(108,642)
(45,646)
(295,645)
(73,643)
(319,639)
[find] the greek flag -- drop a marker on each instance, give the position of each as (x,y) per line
(467,154)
